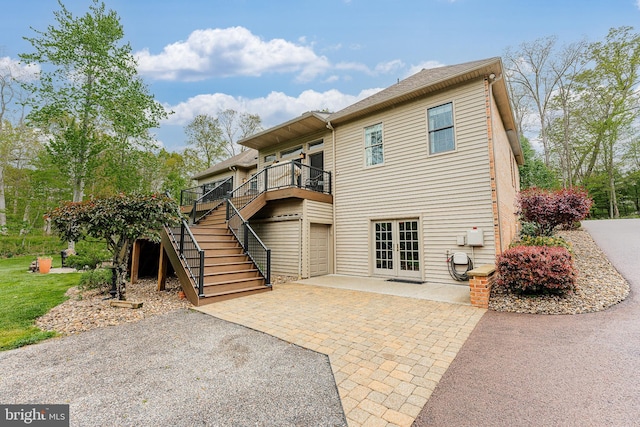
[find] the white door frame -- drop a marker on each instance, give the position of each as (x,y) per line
(397,248)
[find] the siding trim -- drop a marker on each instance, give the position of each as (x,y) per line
(492,168)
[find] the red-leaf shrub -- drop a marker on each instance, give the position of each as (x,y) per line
(550,209)
(535,269)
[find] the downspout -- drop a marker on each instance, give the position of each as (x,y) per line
(334,180)
(493,151)
(300,242)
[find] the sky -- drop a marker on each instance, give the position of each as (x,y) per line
(281,58)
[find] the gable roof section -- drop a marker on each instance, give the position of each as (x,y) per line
(414,87)
(245,160)
(417,86)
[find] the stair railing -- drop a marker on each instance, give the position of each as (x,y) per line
(207,202)
(189,252)
(253,247)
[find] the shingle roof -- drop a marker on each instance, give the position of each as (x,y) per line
(247,159)
(426,80)
(416,86)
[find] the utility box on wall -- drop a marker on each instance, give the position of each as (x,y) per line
(475,237)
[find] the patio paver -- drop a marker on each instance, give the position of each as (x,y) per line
(387,352)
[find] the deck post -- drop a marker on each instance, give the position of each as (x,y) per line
(162,269)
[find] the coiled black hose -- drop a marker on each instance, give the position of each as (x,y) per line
(460,277)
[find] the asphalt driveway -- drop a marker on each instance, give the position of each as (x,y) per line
(180,369)
(534,370)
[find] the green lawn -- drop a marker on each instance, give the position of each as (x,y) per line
(25,296)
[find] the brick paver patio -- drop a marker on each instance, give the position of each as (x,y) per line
(387,352)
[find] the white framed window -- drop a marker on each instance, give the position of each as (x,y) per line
(270,158)
(373,146)
(316,145)
(291,152)
(441,134)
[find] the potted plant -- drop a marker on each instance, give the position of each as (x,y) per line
(44,264)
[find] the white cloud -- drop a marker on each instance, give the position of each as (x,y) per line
(389,67)
(381,68)
(638,4)
(17,70)
(423,66)
(275,108)
(230,52)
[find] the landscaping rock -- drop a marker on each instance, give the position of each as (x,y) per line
(599,285)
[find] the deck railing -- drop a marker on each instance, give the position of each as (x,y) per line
(281,175)
(253,247)
(205,192)
(210,200)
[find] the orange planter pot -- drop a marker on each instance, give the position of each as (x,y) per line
(44,265)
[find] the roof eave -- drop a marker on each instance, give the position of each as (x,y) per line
(305,124)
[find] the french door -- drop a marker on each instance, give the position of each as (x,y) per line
(397,248)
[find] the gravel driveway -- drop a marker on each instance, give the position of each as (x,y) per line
(541,370)
(180,369)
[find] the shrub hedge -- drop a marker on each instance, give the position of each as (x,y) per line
(548,210)
(536,269)
(551,241)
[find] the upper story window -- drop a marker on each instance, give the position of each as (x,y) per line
(270,158)
(373,150)
(292,152)
(441,136)
(316,145)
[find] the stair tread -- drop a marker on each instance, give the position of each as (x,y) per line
(219,273)
(225,264)
(249,289)
(233,281)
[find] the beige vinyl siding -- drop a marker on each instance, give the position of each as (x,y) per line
(318,212)
(283,238)
(279,227)
(448,192)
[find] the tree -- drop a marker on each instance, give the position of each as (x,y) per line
(570,64)
(215,138)
(536,71)
(10,92)
(205,135)
(90,96)
(119,220)
(236,127)
(609,101)
(534,173)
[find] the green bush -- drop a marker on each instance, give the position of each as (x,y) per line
(528,229)
(550,241)
(89,253)
(99,278)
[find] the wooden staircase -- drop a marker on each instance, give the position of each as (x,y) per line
(228,271)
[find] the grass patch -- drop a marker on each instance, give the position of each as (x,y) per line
(25,296)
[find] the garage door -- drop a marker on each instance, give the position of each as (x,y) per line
(319,248)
